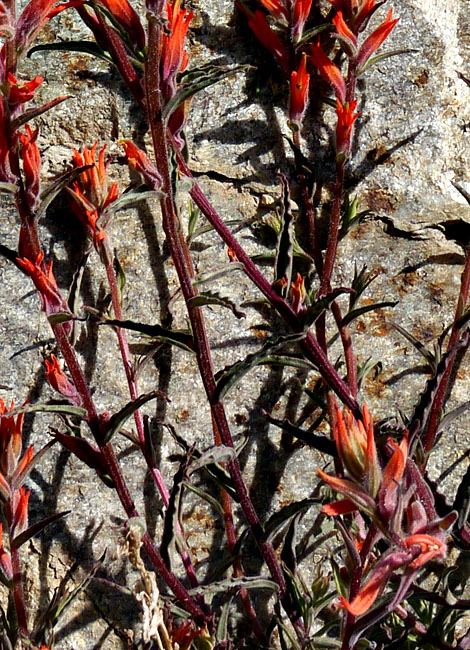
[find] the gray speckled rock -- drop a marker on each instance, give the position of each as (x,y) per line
(414,107)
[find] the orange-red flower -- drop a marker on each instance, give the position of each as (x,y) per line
(31,166)
(5,561)
(44,280)
(298,294)
(20,511)
(392,476)
(301,12)
(175,57)
(299,85)
(430,547)
(22,92)
(141,163)
(92,190)
(346,36)
(375,40)
(267,37)
(344,127)
(328,70)
(60,382)
(276,8)
(12,465)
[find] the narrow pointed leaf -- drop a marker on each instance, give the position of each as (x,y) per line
(247,582)
(9,188)
(54,189)
(31,113)
(180,338)
(87,453)
(196,79)
(118,419)
(230,375)
(209,298)
(321,443)
(40,407)
(316,309)
(220,272)
(84,47)
(355,313)
(202,494)
(17,480)
(381,57)
(128,200)
(285,247)
(279,519)
(426,354)
(36,528)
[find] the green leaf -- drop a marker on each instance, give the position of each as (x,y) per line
(10,188)
(246,582)
(196,79)
(229,376)
(310,33)
(360,283)
(36,528)
(355,313)
(315,310)
(220,272)
(425,353)
(381,57)
(54,189)
(85,47)
(127,200)
(120,276)
(222,633)
(279,519)
(194,214)
(367,367)
(118,419)
(206,497)
(43,407)
(210,298)
(59,317)
(284,251)
(180,338)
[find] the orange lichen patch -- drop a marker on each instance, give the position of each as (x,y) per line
(379,200)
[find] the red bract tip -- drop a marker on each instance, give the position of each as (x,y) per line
(267,37)
(139,160)
(60,382)
(300,14)
(31,166)
(35,15)
(20,506)
(128,19)
(344,127)
(346,36)
(328,70)
(174,56)
(21,93)
(375,40)
(299,85)
(276,8)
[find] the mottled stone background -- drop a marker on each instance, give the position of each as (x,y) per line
(411,144)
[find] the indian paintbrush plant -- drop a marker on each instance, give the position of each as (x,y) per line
(389,535)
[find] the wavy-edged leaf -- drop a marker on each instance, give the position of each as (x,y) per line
(355,313)
(196,79)
(214,455)
(171,520)
(452,415)
(220,272)
(31,113)
(117,420)
(127,200)
(210,298)
(202,494)
(179,338)
(314,31)
(229,376)
(54,189)
(283,261)
(36,528)
(84,47)
(245,582)
(279,519)
(222,632)
(43,407)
